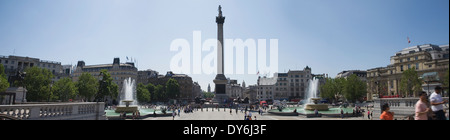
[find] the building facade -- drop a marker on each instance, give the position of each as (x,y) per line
(143,76)
(14,64)
(266,86)
(424,59)
(285,86)
(196,90)
(234,90)
(362,75)
(184,81)
(119,71)
(251,93)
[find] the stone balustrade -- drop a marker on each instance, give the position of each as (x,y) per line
(59,111)
(402,107)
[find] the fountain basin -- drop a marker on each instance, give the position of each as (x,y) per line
(319,107)
(331,112)
(129,109)
(145,112)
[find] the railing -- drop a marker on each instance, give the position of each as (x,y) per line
(404,108)
(400,102)
(61,111)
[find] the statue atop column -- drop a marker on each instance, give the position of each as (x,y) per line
(220,11)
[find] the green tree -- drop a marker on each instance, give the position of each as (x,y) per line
(333,88)
(172,89)
(37,82)
(142,93)
(107,87)
(64,89)
(87,86)
(339,86)
(328,90)
(4,84)
(160,94)
(151,89)
(354,88)
(410,82)
(208,95)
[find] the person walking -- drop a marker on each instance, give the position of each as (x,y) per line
(173,115)
(386,115)
(437,104)
(371,115)
(368,114)
(422,108)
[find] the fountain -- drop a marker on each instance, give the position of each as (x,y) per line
(312,97)
(312,103)
(128,102)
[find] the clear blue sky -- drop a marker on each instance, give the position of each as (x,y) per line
(328,35)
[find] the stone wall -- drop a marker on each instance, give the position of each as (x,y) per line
(60,111)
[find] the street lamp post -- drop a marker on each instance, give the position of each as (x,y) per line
(21,77)
(51,85)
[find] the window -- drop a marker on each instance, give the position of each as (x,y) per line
(401,60)
(401,68)
(430,66)
(417,66)
(417,57)
(409,59)
(409,66)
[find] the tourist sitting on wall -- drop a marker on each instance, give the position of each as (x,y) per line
(386,115)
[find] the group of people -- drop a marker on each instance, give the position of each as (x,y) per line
(249,116)
(135,115)
(427,108)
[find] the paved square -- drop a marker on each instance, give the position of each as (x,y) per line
(225,115)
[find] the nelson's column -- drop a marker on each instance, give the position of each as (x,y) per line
(220,81)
